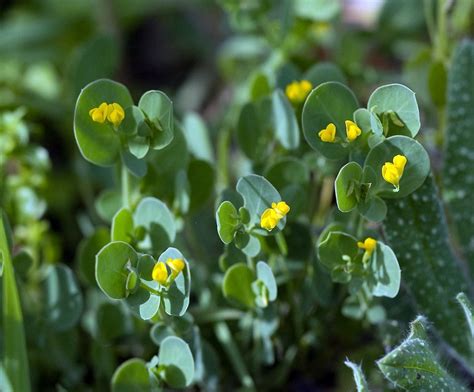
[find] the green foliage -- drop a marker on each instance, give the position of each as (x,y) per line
(416,169)
(132,375)
(63,299)
(330,102)
(396,105)
(359,377)
(413,365)
(99,143)
(237,285)
(177,362)
(14,356)
(457,173)
(415,228)
(347,186)
(286,127)
(314,239)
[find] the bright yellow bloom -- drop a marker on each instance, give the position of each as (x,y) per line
(176,265)
(269,219)
(368,245)
(392,172)
(328,134)
(115,114)
(298,91)
(352,130)
(281,208)
(99,114)
(160,273)
(271,216)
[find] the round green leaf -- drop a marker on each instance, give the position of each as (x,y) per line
(131,376)
(176,298)
(330,102)
(286,171)
(145,304)
(156,218)
(160,332)
(337,249)
(385,272)
(111,268)
(265,274)
(247,243)
(324,72)
(416,169)
(197,137)
(99,143)
(258,195)
(122,226)
(62,298)
(237,285)
(373,209)
(398,99)
(139,146)
(108,203)
(145,266)
(177,360)
(227,221)
(347,186)
(158,110)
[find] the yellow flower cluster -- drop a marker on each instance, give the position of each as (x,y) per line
(111,112)
(328,134)
(160,270)
(271,216)
(392,171)
(298,91)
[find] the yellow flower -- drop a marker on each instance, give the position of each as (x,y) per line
(392,172)
(160,273)
(115,114)
(298,91)
(176,265)
(269,219)
(271,216)
(352,130)
(368,245)
(281,208)
(99,114)
(328,134)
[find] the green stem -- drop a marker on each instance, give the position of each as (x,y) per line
(223,145)
(125,182)
(225,338)
(281,242)
(15,359)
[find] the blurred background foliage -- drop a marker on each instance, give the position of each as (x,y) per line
(209,56)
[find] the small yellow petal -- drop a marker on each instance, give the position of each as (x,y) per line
(176,265)
(391,174)
(400,161)
(281,208)
(269,219)
(328,135)
(368,245)
(115,114)
(352,130)
(160,273)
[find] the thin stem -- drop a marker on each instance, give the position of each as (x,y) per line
(125,181)
(223,146)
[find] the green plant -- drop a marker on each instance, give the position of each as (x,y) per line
(286,236)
